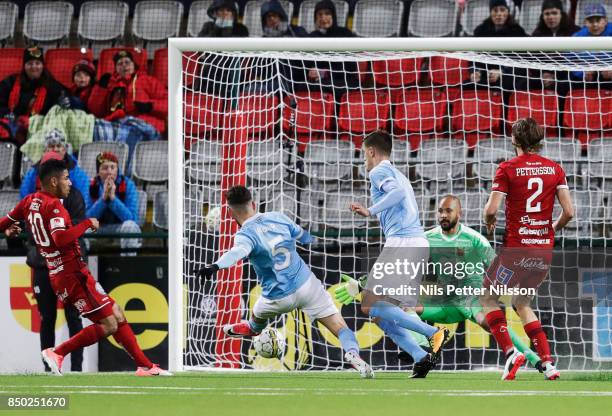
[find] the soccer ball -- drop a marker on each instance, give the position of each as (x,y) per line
(213,219)
(269,344)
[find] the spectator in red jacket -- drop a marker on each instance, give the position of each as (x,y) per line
(83,80)
(130,92)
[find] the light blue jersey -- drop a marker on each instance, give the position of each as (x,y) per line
(270,241)
(402,218)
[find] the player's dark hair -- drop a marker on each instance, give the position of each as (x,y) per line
(528,134)
(51,168)
(380,140)
(238,195)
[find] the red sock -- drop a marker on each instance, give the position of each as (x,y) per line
(87,336)
(539,340)
(125,337)
(499,330)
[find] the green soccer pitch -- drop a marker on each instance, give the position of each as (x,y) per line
(319,393)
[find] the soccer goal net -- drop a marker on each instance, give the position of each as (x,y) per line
(288,120)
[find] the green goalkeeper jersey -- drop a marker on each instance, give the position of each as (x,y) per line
(459,260)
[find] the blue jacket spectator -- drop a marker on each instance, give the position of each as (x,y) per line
(55,141)
(275,22)
(596,24)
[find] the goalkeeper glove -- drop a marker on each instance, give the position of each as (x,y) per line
(347,292)
(207,271)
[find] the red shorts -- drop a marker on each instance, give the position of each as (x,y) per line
(81,289)
(519,267)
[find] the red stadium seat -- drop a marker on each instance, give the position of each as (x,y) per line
(60,61)
(313,112)
(204,114)
(160,66)
(542,106)
(420,113)
(397,72)
(588,113)
(106,64)
(362,112)
(476,114)
(259,112)
(192,67)
(447,71)
(11,61)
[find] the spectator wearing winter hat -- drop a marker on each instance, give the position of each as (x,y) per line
(33,91)
(275,22)
(326,22)
(225,21)
(55,141)
(596,24)
(500,22)
(554,21)
(130,92)
(114,200)
(83,80)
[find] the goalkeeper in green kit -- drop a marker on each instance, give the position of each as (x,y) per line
(451,244)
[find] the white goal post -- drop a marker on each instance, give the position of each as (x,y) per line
(556,54)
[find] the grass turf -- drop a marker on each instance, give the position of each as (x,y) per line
(319,393)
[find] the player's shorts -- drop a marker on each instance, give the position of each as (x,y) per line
(311,297)
(398,282)
(80,289)
(451,314)
(520,267)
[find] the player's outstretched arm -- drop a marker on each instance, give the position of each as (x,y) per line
(490,210)
(567,213)
(230,258)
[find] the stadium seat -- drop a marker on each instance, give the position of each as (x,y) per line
(192,67)
(450,72)
(203,115)
(432,19)
(106,64)
(309,114)
(26,164)
(588,113)
(472,206)
(8,19)
(89,151)
(8,200)
(160,66)
(474,13)
(264,161)
(11,62)
(396,72)
(378,18)
(47,23)
(487,159)
(420,113)
(142,207)
(260,113)
(477,114)
(362,112)
(329,160)
(60,61)
(336,206)
(542,106)
(441,160)
(150,162)
(306,13)
(7,161)
(160,210)
(426,210)
(102,24)
(599,156)
(155,21)
(198,15)
(252,15)
(285,200)
(583,3)
(590,211)
(204,163)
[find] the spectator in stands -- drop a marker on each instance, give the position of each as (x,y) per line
(55,141)
(32,91)
(114,200)
(225,21)
(46,299)
(326,22)
(130,92)
(275,22)
(83,79)
(500,22)
(554,21)
(596,24)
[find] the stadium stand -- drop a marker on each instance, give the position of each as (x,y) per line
(11,60)
(252,15)
(102,24)
(581,4)
(60,62)
(306,13)
(160,210)
(378,18)
(160,66)
(8,21)
(146,152)
(47,23)
(432,18)
(106,64)
(7,161)
(155,21)
(89,151)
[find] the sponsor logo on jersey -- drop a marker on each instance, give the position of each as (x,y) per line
(56,211)
(531,263)
(35,206)
(540,241)
(57,222)
(62,296)
(530,231)
(80,304)
(54,263)
(504,275)
(526,220)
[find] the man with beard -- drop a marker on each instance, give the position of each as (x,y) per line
(450,243)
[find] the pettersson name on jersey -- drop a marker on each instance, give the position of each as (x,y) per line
(542,170)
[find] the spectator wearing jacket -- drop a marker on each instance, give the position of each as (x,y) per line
(275,22)
(500,22)
(114,200)
(55,141)
(596,24)
(83,80)
(554,21)
(129,91)
(225,21)
(326,22)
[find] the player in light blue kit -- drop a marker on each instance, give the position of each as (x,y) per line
(397,210)
(268,240)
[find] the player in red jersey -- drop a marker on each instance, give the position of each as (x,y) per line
(530,184)
(57,241)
